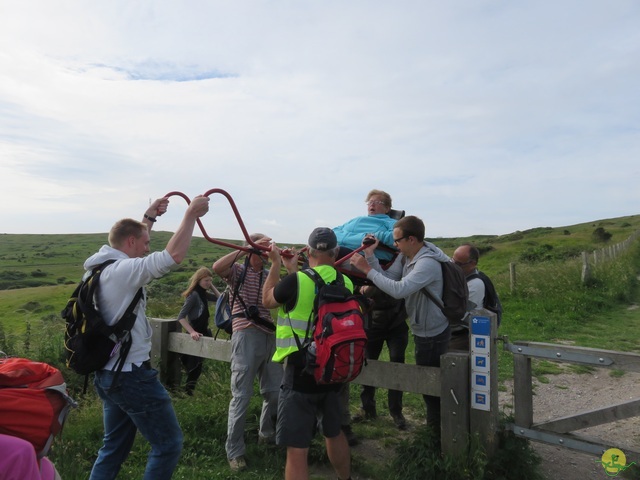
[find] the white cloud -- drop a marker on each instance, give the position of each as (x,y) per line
(479,117)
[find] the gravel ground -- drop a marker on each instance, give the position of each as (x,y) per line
(570,393)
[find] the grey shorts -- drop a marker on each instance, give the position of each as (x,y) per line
(299,414)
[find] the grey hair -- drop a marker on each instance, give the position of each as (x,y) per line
(332,253)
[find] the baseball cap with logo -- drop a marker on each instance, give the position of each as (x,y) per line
(323,238)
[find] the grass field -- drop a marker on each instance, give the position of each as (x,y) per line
(549,303)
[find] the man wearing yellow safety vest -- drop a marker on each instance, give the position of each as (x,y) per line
(302,400)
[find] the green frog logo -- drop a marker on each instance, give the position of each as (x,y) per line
(614,462)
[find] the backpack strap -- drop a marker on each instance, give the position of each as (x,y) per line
(438,301)
(319,282)
(433,298)
(127,320)
(315,276)
(236,294)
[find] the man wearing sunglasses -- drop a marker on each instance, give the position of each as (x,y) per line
(417,267)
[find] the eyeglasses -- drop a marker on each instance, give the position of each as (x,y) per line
(462,264)
(375,202)
(397,240)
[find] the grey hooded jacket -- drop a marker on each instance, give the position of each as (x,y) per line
(405,279)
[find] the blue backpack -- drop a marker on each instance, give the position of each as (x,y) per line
(223,317)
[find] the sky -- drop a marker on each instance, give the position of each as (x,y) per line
(479,117)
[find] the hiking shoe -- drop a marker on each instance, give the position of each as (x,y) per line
(352,440)
(399,420)
(237,464)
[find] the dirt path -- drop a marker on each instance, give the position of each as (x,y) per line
(569,393)
(564,394)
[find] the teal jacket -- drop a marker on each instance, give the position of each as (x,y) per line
(350,234)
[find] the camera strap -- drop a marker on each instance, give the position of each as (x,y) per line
(257,319)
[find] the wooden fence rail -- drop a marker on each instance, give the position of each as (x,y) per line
(600,257)
(558,431)
(450,382)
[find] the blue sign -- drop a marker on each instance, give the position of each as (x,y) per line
(480,342)
(481,326)
(481,380)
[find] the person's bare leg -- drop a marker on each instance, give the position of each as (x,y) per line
(296,467)
(339,455)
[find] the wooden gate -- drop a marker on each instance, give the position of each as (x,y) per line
(558,431)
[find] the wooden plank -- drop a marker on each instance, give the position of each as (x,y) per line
(206,347)
(165,361)
(401,376)
(522,391)
(592,418)
(455,403)
(159,338)
(629,362)
(388,375)
(482,422)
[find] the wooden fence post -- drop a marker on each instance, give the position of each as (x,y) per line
(454,403)
(484,413)
(522,391)
(586,272)
(512,276)
(166,362)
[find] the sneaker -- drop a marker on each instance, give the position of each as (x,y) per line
(352,440)
(237,464)
(399,420)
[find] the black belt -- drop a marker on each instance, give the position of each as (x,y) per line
(146,364)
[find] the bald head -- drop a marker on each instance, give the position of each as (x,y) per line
(466,256)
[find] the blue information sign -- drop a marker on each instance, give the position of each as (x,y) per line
(481,326)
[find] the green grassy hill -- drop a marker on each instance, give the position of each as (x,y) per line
(549,303)
(38,272)
(38,260)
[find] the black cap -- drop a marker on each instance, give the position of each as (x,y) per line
(323,238)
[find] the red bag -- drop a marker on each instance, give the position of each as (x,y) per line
(34,401)
(337,351)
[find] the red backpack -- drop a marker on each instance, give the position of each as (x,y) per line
(338,337)
(33,401)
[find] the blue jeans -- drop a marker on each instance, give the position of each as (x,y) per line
(428,351)
(137,402)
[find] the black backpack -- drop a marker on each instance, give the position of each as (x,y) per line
(455,293)
(491,299)
(89,341)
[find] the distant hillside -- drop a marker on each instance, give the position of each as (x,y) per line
(39,260)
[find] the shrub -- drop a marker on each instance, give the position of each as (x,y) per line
(601,235)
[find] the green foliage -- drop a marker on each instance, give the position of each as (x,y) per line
(514,458)
(420,454)
(538,253)
(601,235)
(548,303)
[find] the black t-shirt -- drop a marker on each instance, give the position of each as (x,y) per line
(286,293)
